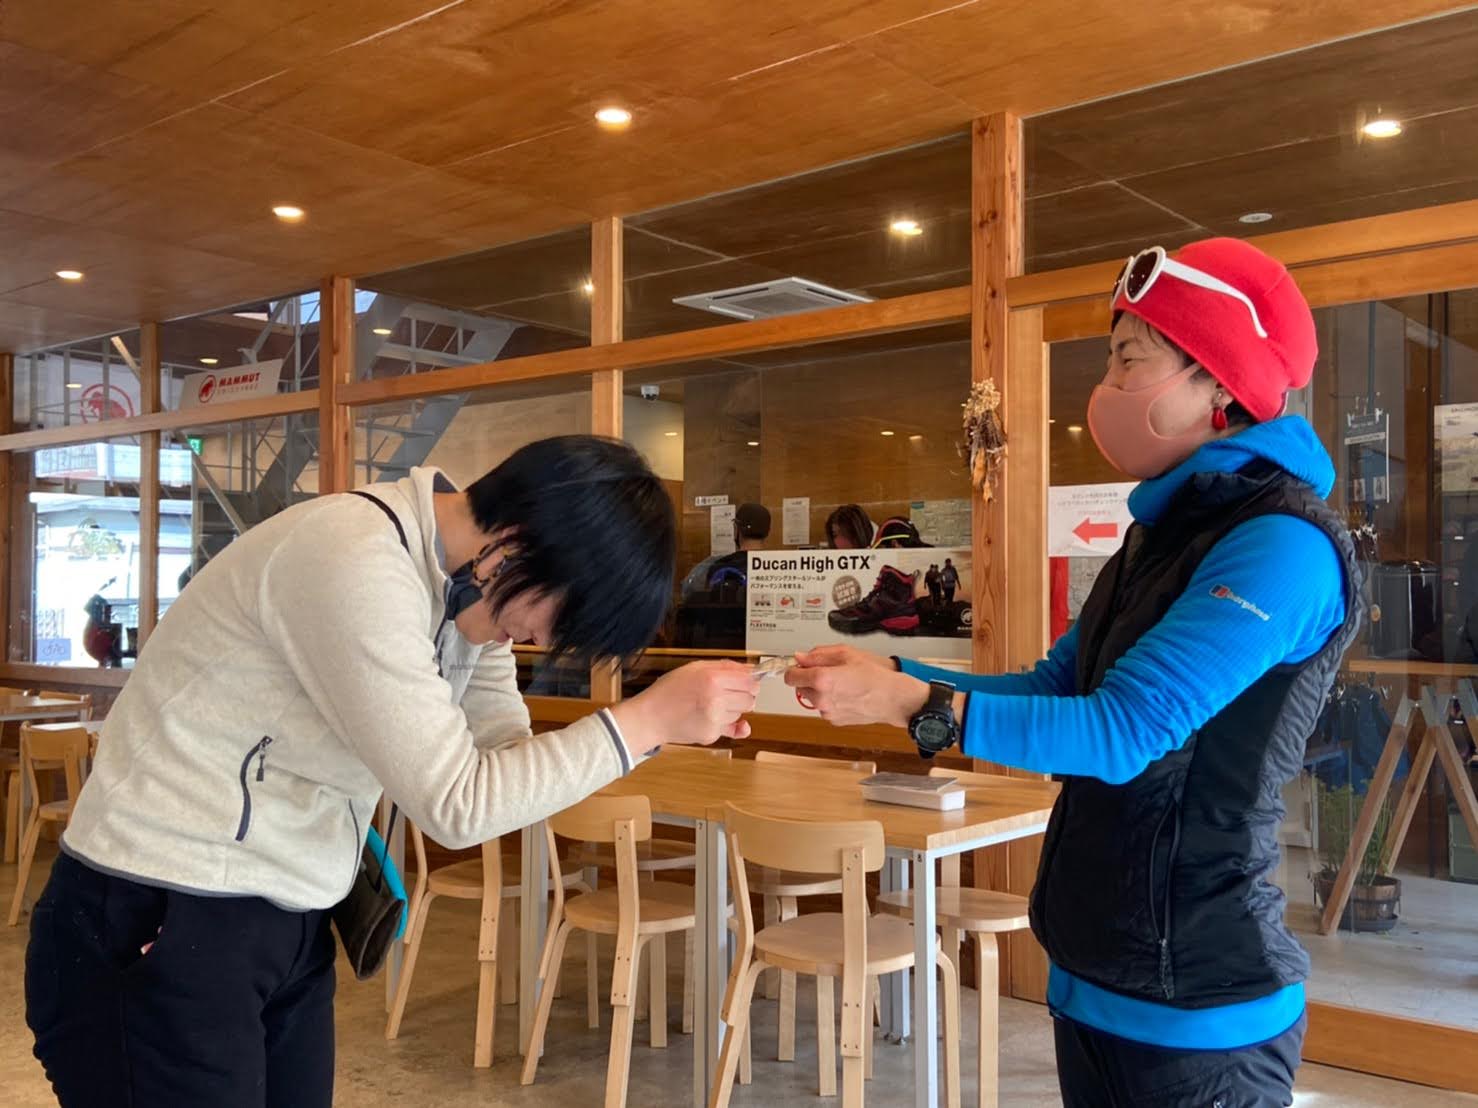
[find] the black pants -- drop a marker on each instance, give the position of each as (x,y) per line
(232,1006)
(1096,1070)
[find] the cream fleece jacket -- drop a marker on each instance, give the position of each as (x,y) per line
(305,668)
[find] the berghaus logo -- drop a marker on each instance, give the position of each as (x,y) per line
(1221,592)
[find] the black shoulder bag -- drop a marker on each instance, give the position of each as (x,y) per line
(370,918)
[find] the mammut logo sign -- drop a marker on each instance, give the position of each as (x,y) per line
(207,389)
(1221,592)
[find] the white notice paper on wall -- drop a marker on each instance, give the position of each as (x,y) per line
(797,516)
(1085,521)
(721,529)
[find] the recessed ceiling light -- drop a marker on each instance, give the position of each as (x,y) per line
(288,213)
(613,118)
(915,438)
(1382,128)
(588,288)
(670,434)
(382,330)
(69,274)
(886,434)
(1075,429)
(1052,421)
(74,384)
(753,442)
(209,361)
(1255,217)
(908,227)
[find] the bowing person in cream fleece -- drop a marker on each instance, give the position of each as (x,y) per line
(348,645)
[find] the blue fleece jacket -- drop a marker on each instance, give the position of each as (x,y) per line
(1271,591)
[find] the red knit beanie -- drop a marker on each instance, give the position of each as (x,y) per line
(1216,330)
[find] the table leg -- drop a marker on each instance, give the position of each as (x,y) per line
(925,986)
(710,956)
(1380,785)
(1411,794)
(1457,779)
(533,913)
(894,998)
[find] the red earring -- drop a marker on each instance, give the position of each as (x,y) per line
(1219,419)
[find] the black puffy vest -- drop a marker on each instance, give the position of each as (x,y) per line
(1161,888)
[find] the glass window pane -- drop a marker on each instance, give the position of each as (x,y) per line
(81,519)
(239,353)
(81,383)
(884,226)
(465,435)
(525,298)
(872,424)
(1222,153)
(1394,400)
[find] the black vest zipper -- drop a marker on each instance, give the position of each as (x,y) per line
(1163,933)
(259,752)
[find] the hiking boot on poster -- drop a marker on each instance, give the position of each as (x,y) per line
(889,607)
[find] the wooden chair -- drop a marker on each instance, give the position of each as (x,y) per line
(83,701)
(493,879)
(655,856)
(983,914)
(851,944)
(640,914)
(10,781)
(40,751)
(781,892)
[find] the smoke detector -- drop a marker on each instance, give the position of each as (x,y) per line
(786,296)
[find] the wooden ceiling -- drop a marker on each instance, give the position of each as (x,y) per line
(145,143)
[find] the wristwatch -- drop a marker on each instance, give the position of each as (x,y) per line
(933,727)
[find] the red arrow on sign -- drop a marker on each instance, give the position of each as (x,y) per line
(1088,531)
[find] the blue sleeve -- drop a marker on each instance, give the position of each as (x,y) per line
(1054,675)
(1271,591)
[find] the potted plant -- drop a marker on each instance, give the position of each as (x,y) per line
(1375,901)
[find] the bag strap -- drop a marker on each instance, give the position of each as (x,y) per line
(395,519)
(399,530)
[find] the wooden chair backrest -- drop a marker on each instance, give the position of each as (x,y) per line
(805,761)
(82,700)
(801,845)
(65,750)
(594,819)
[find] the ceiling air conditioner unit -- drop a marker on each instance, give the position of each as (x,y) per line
(771,298)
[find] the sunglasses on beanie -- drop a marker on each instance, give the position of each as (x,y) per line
(1142,270)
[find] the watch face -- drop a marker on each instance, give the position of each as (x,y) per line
(933,733)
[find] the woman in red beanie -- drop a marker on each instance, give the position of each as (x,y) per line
(1178,706)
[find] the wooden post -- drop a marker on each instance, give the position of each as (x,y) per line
(606,385)
(335,370)
(995,256)
(149,386)
(1029,632)
(7,548)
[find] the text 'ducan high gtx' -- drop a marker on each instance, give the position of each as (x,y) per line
(889,607)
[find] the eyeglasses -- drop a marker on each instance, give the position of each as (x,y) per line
(1142,270)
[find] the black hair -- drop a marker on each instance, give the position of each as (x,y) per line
(852,521)
(897,533)
(1237,415)
(594,527)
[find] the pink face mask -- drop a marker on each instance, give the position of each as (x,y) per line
(1120,424)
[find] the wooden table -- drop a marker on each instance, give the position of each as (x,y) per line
(694,791)
(1438,684)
